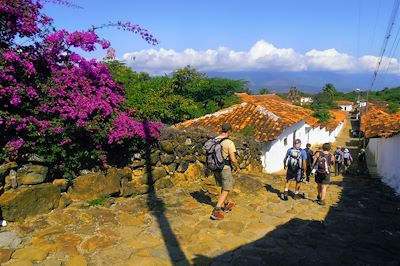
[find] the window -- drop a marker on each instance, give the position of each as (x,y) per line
(285,142)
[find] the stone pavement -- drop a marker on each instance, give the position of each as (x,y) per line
(360,225)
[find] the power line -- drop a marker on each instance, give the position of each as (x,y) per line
(385,41)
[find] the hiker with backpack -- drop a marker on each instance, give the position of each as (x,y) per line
(221,159)
(310,156)
(321,166)
(295,162)
(339,159)
(347,160)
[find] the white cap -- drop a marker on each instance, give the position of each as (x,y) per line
(346,150)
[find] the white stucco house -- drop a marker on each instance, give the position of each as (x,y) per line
(276,124)
(383,133)
(345,105)
(306,100)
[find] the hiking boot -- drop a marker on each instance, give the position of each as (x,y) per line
(318,198)
(228,206)
(285,195)
(296,196)
(321,202)
(216,215)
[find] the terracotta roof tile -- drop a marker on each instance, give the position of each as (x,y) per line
(378,123)
(266,126)
(269,115)
(343,102)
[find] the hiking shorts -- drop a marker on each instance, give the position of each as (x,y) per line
(322,178)
(224,178)
(294,176)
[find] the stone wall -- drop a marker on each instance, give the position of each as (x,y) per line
(177,160)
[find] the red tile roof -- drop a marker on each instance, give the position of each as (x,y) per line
(268,115)
(378,123)
(344,102)
(267,126)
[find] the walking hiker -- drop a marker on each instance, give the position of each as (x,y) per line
(339,159)
(322,163)
(362,162)
(221,159)
(310,155)
(347,159)
(295,162)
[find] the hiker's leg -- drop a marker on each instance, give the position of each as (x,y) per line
(297,187)
(323,191)
(286,187)
(319,190)
(222,198)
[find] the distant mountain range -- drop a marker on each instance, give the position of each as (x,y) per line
(310,82)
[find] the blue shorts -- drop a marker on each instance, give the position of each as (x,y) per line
(294,176)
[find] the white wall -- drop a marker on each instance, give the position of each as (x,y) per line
(273,152)
(346,107)
(386,153)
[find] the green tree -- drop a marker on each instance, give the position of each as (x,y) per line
(264,91)
(330,89)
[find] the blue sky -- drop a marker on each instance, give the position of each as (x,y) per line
(285,35)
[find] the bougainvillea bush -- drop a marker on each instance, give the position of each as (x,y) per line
(55,103)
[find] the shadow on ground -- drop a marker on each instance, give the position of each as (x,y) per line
(157,207)
(362,229)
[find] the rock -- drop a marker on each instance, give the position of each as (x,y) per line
(91,186)
(137,164)
(5,255)
(247,184)
(30,253)
(171,168)
(116,173)
(189,158)
(9,240)
(167,146)
(78,260)
(84,172)
(34,158)
(128,189)
(61,183)
(137,172)
(21,263)
(65,200)
(182,150)
(96,242)
(155,174)
(163,183)
(167,158)
(51,262)
(202,159)
(194,171)
(183,166)
(4,168)
(32,174)
(188,142)
(16,205)
(136,156)
(154,158)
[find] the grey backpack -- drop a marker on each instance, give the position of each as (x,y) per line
(294,160)
(215,161)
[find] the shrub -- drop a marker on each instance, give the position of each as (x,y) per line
(55,103)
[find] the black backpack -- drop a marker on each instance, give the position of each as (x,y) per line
(323,163)
(214,158)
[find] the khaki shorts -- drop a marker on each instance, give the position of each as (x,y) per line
(224,178)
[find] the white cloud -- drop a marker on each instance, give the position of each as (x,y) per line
(261,56)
